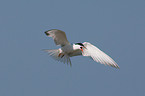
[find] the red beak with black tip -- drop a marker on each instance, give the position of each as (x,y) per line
(82,48)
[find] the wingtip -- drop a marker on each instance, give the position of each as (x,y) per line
(114,66)
(46,32)
(117,67)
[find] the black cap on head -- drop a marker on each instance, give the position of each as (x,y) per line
(79,44)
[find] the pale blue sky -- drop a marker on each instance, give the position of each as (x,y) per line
(117,27)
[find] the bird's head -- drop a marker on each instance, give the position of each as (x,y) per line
(79,46)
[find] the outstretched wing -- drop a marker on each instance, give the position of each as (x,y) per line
(98,55)
(58,36)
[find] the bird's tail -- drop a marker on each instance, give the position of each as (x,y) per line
(55,54)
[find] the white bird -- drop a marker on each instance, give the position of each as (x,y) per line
(68,50)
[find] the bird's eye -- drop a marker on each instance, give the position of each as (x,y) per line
(81,47)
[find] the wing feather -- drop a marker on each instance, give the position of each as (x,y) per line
(97,55)
(54,53)
(58,36)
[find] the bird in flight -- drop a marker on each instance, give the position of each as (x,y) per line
(68,50)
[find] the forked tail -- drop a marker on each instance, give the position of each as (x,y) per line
(55,54)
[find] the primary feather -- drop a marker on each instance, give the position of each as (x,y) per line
(97,55)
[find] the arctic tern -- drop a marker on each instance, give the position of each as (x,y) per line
(68,50)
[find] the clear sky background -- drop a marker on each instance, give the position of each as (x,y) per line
(117,27)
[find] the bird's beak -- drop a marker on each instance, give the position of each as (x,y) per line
(82,49)
(46,32)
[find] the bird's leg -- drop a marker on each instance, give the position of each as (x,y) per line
(61,54)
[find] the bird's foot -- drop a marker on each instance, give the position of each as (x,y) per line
(61,55)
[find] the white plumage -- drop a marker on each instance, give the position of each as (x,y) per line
(67,50)
(97,55)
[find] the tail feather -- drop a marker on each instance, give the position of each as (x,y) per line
(55,54)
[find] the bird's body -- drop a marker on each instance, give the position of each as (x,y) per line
(68,50)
